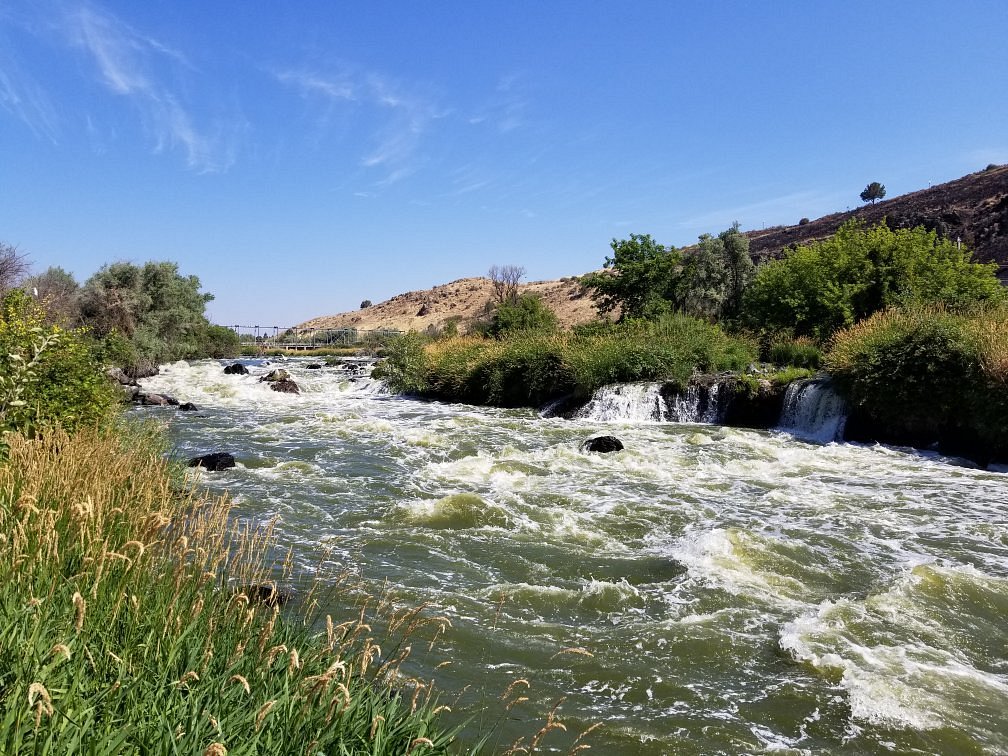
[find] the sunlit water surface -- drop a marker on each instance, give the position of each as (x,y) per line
(739,591)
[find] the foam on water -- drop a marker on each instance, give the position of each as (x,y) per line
(683,558)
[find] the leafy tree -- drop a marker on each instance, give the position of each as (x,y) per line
(156,308)
(874,191)
(527,313)
(642,279)
(817,289)
(365,304)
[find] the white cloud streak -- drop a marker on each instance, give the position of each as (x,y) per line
(404,117)
(128,64)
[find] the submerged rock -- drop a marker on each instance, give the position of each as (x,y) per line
(236,369)
(602,444)
(188,407)
(269,595)
(313,366)
(285,386)
(214,461)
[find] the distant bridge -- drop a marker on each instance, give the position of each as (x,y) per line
(278,337)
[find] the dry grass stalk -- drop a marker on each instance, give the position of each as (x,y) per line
(264,710)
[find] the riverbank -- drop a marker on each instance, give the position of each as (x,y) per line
(140,615)
(920,376)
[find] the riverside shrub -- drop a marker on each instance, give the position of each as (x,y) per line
(48,375)
(929,372)
(528,368)
(817,289)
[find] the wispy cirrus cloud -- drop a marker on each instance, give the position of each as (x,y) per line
(506,109)
(396,117)
(136,66)
(24,98)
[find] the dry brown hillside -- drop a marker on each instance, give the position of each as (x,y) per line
(462,301)
(973,208)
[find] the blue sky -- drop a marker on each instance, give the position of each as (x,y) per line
(302,157)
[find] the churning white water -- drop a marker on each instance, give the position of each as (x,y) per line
(738,591)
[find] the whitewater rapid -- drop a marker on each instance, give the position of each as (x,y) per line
(739,591)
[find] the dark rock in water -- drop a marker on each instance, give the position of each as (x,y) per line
(188,407)
(236,369)
(269,595)
(602,444)
(313,366)
(153,400)
(285,386)
(275,375)
(214,461)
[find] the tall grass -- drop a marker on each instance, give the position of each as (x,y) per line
(528,368)
(137,617)
(929,370)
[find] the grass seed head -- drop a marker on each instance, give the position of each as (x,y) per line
(80,605)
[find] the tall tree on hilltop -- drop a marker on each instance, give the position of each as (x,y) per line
(874,191)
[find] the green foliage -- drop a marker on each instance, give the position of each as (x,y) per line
(528,368)
(405,364)
(50,376)
(524,313)
(365,304)
(159,310)
(217,342)
(799,352)
(874,191)
(133,620)
(817,289)
(646,280)
(641,279)
(929,371)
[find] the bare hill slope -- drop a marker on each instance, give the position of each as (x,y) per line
(973,208)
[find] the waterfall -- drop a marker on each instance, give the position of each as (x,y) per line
(813,411)
(631,402)
(652,402)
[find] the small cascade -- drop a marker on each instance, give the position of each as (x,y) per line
(698,404)
(813,411)
(627,402)
(685,408)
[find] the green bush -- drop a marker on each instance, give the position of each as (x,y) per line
(526,313)
(816,290)
(49,376)
(929,372)
(526,368)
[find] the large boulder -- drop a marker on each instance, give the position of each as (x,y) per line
(118,376)
(285,386)
(236,369)
(154,400)
(213,461)
(143,369)
(602,444)
(276,375)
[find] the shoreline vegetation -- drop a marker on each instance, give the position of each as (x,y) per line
(140,614)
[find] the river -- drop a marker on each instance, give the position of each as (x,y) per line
(738,591)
